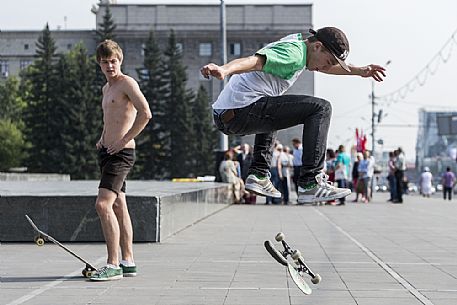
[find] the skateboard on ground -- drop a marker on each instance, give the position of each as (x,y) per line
(41,237)
(298,269)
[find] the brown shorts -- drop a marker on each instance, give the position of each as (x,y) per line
(114,168)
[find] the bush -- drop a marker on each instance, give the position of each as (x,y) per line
(12,149)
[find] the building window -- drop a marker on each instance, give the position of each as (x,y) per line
(143,49)
(69,46)
(179,47)
(263,45)
(26,46)
(24,63)
(205,49)
(235,49)
(4,69)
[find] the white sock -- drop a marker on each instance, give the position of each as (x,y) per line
(127,263)
(112,266)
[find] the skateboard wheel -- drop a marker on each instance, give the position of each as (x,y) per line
(87,273)
(279,236)
(316,279)
(39,241)
(296,254)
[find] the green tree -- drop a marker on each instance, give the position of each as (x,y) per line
(179,113)
(12,104)
(107,26)
(42,126)
(79,108)
(12,150)
(152,153)
(205,134)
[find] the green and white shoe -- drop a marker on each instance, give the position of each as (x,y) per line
(107,273)
(128,271)
(322,190)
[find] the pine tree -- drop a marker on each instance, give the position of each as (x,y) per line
(42,125)
(105,31)
(81,114)
(107,27)
(205,134)
(179,113)
(152,153)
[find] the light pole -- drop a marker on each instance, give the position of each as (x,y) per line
(223,139)
(373,126)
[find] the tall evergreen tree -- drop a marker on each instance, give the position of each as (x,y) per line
(107,26)
(81,114)
(105,31)
(42,126)
(152,152)
(205,134)
(179,113)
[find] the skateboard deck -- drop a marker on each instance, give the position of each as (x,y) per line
(42,237)
(298,268)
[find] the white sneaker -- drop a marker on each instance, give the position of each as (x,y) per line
(324,191)
(262,187)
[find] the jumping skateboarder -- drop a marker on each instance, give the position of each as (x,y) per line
(253,103)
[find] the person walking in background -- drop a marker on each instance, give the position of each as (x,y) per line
(343,163)
(391,177)
(297,153)
(448,181)
(229,174)
(425,182)
(400,167)
(284,163)
(357,184)
(245,159)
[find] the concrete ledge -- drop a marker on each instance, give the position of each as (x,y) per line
(33,177)
(66,209)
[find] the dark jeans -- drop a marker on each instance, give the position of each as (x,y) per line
(392,187)
(342,183)
(285,189)
(269,114)
(295,177)
(399,174)
(447,190)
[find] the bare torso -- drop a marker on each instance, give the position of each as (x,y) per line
(118,113)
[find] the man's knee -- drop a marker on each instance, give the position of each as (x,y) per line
(326,106)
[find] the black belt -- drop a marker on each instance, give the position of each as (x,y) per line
(225,115)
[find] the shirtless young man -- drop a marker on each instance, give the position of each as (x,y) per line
(253,102)
(125,113)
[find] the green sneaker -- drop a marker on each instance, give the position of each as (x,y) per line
(107,274)
(128,271)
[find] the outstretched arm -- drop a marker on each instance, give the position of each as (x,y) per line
(375,71)
(237,66)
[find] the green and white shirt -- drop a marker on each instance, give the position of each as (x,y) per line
(285,61)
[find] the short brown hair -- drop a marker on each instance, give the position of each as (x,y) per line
(108,48)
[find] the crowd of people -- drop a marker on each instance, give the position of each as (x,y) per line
(284,171)
(357,175)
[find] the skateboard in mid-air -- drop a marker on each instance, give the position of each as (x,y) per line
(41,237)
(298,268)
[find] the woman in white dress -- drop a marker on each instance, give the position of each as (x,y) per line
(426,182)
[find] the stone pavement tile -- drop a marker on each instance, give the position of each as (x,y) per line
(381,293)
(383,301)
(313,300)
(441,294)
(257,297)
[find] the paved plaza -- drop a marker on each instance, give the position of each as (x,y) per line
(367,254)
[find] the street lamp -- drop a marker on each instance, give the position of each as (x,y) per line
(373,126)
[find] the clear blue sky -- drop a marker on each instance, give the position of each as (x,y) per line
(407,32)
